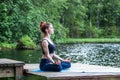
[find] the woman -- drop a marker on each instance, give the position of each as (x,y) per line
(47,62)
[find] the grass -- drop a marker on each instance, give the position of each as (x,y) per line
(92,40)
(6,45)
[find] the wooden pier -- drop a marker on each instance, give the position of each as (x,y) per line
(76,72)
(11,68)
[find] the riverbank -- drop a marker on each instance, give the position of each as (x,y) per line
(6,45)
(91,40)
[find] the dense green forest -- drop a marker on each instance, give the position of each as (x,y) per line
(71,18)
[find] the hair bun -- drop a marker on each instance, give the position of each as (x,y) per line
(42,24)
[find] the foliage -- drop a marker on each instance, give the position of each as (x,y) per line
(112,32)
(27,42)
(70,18)
(96,32)
(6,45)
(74,16)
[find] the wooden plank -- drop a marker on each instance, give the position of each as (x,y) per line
(18,72)
(11,68)
(10,62)
(76,75)
(77,67)
(81,72)
(9,72)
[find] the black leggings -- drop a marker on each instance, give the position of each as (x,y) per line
(46,66)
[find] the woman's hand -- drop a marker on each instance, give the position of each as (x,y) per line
(58,62)
(67,59)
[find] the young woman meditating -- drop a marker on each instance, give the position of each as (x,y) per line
(47,63)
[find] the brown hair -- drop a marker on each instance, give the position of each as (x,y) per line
(44,26)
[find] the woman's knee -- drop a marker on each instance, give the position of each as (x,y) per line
(69,65)
(58,68)
(66,65)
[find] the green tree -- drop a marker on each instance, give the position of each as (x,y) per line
(73,17)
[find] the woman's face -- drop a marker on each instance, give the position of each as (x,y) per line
(51,29)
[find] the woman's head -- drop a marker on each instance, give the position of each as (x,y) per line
(46,28)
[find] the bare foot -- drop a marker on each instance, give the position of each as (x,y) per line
(68,59)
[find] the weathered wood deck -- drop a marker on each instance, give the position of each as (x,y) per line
(11,68)
(76,72)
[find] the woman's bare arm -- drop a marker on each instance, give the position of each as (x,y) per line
(58,57)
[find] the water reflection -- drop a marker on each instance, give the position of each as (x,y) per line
(98,54)
(28,56)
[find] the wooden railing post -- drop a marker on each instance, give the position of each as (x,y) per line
(11,68)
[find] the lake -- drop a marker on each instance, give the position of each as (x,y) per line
(107,54)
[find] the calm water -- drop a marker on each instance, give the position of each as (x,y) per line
(98,54)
